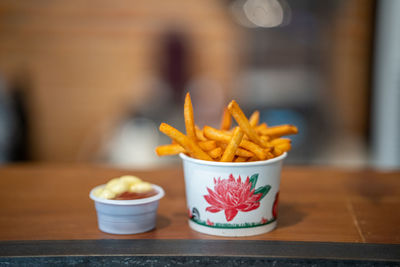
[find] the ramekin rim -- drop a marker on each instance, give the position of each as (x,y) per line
(160,194)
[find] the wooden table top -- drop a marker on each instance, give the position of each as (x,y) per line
(51,202)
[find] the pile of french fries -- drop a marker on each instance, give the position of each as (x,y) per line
(249,141)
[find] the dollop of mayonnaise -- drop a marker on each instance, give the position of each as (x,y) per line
(126,183)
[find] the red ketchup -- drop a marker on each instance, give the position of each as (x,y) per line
(133,195)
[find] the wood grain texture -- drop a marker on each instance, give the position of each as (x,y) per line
(51,202)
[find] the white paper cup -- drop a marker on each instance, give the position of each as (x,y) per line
(232,199)
(127,216)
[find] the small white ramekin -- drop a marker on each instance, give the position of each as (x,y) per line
(127,216)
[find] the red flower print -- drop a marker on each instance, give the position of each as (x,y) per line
(210,222)
(190,214)
(232,196)
(275,206)
(263,220)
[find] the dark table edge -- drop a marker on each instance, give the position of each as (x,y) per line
(201,248)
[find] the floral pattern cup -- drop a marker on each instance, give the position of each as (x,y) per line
(232,199)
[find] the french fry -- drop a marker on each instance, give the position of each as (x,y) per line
(207,145)
(244,153)
(284,147)
(261,127)
(240,152)
(199,133)
(240,159)
(270,155)
(230,150)
(254,158)
(222,145)
(215,153)
(169,150)
(278,141)
(189,118)
(279,149)
(256,149)
(277,131)
(265,139)
(218,135)
(226,120)
(244,124)
(188,144)
(254,118)
(277,152)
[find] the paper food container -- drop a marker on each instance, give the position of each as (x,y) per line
(232,199)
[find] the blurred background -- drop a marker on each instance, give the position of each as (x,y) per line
(90,81)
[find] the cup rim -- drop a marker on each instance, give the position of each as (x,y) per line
(231,164)
(158,196)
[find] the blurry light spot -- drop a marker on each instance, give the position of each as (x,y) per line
(264,13)
(236,8)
